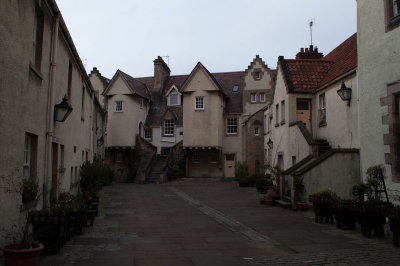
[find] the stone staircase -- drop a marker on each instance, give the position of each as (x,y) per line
(156,169)
(323,146)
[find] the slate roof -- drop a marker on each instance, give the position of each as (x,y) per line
(136,85)
(225,80)
(307,75)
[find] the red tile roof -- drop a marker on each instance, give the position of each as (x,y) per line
(344,57)
(307,75)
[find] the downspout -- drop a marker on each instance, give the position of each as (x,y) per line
(50,109)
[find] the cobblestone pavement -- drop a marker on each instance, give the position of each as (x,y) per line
(209,222)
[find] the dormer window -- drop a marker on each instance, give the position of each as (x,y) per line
(173,99)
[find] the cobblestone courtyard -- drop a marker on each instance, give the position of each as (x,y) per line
(208,222)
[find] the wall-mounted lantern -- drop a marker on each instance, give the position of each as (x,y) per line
(345,93)
(62,110)
(270,144)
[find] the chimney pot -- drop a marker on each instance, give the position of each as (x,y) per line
(306,50)
(311,48)
(302,50)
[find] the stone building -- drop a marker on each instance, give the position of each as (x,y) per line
(310,131)
(202,114)
(378,26)
(39,66)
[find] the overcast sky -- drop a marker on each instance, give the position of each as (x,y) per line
(223,35)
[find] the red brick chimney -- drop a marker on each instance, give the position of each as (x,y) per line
(309,53)
(161,73)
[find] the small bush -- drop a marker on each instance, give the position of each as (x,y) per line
(241,170)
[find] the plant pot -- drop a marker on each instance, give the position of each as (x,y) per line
(269,202)
(302,206)
(15,255)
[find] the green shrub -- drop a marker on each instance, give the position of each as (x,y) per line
(94,175)
(241,170)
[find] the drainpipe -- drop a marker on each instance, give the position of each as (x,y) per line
(50,109)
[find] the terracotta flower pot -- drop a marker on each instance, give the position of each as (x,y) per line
(16,255)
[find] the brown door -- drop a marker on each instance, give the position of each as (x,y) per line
(303,112)
(54,178)
(230,165)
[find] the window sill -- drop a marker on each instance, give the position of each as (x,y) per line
(35,71)
(231,134)
(276,125)
(199,109)
(283,122)
(322,123)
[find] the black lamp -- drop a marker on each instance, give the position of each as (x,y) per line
(270,143)
(345,93)
(62,110)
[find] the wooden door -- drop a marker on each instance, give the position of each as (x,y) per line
(230,165)
(303,112)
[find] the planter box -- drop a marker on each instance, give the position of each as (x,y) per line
(345,218)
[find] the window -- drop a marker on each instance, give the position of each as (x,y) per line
(277,115)
(282,112)
(257,74)
(118,106)
(174,98)
(71,178)
(147,133)
(392,14)
(235,89)
(256,131)
(302,105)
(76,174)
(196,158)
(83,103)
(230,157)
(199,104)
(168,127)
(253,97)
(30,154)
(214,158)
(262,97)
(322,110)
(293,160)
(231,125)
(141,103)
(37,38)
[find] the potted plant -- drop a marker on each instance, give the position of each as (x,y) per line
(23,250)
(299,191)
(369,207)
(270,197)
(322,205)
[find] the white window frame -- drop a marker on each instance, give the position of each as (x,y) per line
(116,107)
(199,103)
(170,102)
(27,156)
(169,125)
(396,4)
(256,131)
(146,136)
(253,97)
(322,107)
(231,126)
(262,97)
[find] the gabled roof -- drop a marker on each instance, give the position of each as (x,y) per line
(198,67)
(257,58)
(307,75)
(135,86)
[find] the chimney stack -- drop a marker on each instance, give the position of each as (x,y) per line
(309,53)
(161,74)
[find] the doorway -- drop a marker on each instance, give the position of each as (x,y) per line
(230,165)
(303,112)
